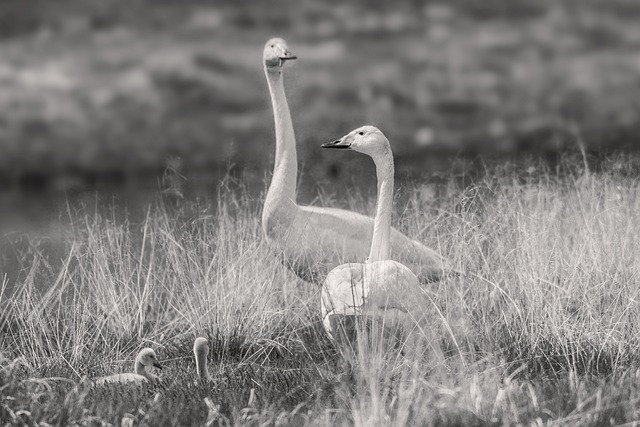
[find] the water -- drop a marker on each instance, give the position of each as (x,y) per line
(38,221)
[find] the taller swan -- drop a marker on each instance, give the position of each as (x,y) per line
(380,288)
(313,240)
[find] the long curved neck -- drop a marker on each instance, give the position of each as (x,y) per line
(384,208)
(283,182)
(201,366)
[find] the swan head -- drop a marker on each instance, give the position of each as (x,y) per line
(147,357)
(201,346)
(365,139)
(276,52)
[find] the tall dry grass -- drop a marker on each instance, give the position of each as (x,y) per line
(542,326)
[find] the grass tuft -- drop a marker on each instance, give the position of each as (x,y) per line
(541,327)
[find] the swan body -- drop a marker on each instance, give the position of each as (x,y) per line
(313,240)
(145,358)
(124,378)
(368,289)
(200,352)
(380,288)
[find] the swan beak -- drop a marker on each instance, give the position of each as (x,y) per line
(287,55)
(341,143)
(157,365)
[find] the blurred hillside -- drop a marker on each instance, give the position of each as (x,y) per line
(98,90)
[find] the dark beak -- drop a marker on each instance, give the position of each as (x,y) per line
(340,143)
(157,365)
(288,56)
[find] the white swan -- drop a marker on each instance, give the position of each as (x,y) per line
(313,240)
(145,358)
(200,351)
(379,288)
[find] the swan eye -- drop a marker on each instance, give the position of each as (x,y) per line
(360,133)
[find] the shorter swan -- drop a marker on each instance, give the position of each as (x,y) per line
(379,289)
(145,358)
(200,351)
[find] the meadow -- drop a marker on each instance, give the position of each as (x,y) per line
(540,329)
(504,117)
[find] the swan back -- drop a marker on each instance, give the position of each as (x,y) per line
(126,378)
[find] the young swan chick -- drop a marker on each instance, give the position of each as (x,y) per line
(200,351)
(145,358)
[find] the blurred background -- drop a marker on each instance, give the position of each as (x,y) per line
(125,98)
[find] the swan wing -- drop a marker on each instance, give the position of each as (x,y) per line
(328,237)
(345,291)
(339,227)
(344,294)
(377,290)
(316,240)
(357,230)
(392,286)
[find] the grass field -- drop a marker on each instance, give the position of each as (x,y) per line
(541,329)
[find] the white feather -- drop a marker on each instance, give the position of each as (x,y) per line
(313,240)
